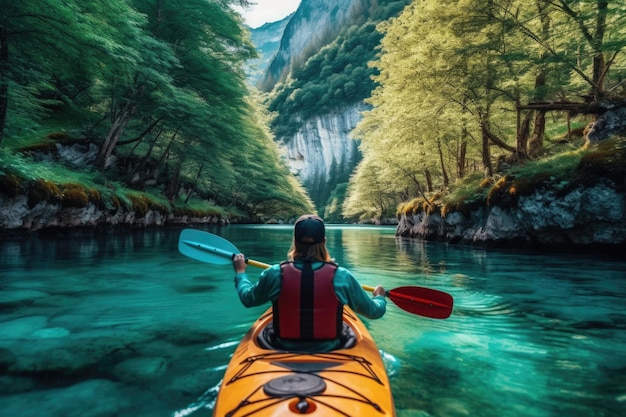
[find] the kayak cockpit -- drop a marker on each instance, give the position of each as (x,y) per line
(266,339)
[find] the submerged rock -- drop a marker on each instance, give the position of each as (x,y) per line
(13,385)
(140,369)
(16,296)
(51,333)
(23,327)
(95,398)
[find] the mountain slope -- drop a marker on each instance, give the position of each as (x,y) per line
(267,41)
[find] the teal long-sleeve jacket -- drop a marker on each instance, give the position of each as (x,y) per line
(347,288)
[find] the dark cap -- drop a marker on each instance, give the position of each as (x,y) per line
(309,229)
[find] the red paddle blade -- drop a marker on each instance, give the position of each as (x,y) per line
(423,301)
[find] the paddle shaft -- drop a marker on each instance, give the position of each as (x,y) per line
(251,262)
(210,248)
(396,296)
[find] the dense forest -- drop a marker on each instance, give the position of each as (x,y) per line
(467,89)
(459,92)
(159,91)
(156,92)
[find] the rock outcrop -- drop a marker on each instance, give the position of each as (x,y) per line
(267,41)
(322,143)
(314,24)
(16,214)
(585,216)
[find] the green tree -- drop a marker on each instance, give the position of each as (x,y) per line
(193,51)
(55,51)
(166,79)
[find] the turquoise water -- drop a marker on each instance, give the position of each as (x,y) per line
(121,324)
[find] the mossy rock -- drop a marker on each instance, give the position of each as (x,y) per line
(74,195)
(43,190)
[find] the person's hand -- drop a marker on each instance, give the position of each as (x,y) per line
(379,290)
(239,263)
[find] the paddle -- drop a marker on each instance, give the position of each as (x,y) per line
(420,300)
(210,248)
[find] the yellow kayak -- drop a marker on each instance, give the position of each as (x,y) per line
(263,381)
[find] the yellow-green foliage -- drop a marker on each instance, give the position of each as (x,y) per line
(411,207)
(464,204)
(486,182)
(420,205)
(43,190)
(59,137)
(507,190)
(40,147)
(95,197)
(74,195)
(141,203)
(116,202)
(202,209)
(447,208)
(47,144)
(525,186)
(499,189)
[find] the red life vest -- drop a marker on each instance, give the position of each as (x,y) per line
(307,307)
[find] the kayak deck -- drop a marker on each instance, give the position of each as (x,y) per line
(344,382)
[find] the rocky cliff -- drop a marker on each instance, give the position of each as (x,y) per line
(267,41)
(320,150)
(323,144)
(17,213)
(314,24)
(581,217)
(42,205)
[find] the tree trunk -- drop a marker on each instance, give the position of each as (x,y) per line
(165,153)
(143,134)
(599,62)
(444,172)
(496,140)
(429,180)
(535,145)
(486,152)
(119,124)
(461,160)
(172,188)
(143,162)
(195,183)
(521,143)
(4,84)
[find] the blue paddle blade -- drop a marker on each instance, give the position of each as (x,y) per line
(206,247)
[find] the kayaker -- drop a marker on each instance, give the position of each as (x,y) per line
(308,291)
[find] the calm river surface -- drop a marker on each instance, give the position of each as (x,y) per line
(122,324)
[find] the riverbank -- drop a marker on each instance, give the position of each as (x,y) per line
(585,217)
(15,214)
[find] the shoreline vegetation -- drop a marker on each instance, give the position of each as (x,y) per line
(484,125)
(481,212)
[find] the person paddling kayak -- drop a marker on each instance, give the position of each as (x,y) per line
(308,292)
